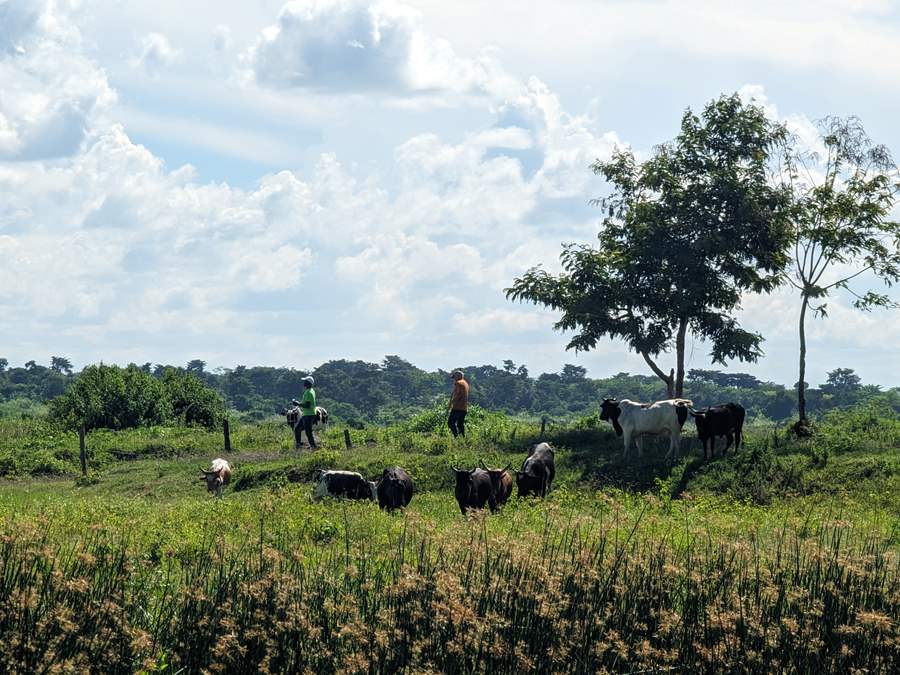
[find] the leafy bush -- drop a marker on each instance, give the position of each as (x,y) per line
(110,397)
(192,403)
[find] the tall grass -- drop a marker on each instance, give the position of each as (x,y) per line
(571,597)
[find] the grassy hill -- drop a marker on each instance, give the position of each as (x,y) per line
(782,557)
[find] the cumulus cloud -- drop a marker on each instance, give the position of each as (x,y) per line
(155,53)
(50,91)
(356,46)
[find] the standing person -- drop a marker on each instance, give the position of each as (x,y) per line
(308,410)
(459,404)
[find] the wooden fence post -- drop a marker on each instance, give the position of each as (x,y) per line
(82,451)
(227,433)
(347,439)
(543,425)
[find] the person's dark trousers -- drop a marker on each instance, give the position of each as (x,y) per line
(307,424)
(457,422)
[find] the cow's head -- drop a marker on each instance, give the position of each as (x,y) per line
(391,489)
(529,484)
(291,415)
(214,480)
(496,475)
(699,417)
(610,411)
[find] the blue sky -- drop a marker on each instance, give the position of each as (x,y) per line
(284,183)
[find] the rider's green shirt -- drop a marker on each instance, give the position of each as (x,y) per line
(308,402)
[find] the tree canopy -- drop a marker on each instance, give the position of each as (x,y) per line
(842,196)
(686,233)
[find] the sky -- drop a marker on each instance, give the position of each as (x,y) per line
(284,183)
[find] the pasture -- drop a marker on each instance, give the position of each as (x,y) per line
(784,557)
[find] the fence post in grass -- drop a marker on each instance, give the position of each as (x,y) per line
(347,439)
(82,452)
(227,433)
(543,426)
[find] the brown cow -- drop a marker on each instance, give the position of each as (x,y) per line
(501,484)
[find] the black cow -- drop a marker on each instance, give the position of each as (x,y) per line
(395,488)
(473,489)
(538,471)
(721,420)
(501,484)
(346,484)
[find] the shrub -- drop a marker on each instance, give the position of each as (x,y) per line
(192,403)
(109,397)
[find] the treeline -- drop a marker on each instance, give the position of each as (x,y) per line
(361,392)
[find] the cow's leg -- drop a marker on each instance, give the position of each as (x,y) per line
(728,439)
(626,439)
(639,442)
(674,443)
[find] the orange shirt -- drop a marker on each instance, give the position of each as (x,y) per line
(459,399)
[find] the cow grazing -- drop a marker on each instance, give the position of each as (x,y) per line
(395,489)
(473,489)
(633,420)
(538,471)
(343,484)
(722,420)
(501,484)
(218,476)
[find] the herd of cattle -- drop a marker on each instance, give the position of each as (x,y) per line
(481,486)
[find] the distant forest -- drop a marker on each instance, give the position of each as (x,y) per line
(359,392)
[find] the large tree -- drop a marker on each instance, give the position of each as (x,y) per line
(843,195)
(687,232)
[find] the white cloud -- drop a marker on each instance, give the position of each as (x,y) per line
(354,46)
(222,38)
(496,322)
(50,93)
(155,53)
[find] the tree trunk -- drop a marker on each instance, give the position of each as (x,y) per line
(668,379)
(679,358)
(801,385)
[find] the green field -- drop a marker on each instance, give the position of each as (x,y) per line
(781,558)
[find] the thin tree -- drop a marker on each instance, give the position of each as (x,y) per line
(843,196)
(687,232)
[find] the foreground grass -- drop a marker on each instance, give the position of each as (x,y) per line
(782,558)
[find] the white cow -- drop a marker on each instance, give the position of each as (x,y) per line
(219,475)
(633,420)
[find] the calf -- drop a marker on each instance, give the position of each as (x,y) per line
(394,489)
(633,420)
(343,484)
(721,420)
(538,471)
(473,489)
(501,484)
(218,476)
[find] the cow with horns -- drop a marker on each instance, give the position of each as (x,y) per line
(722,420)
(538,471)
(394,489)
(633,420)
(501,484)
(218,476)
(473,489)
